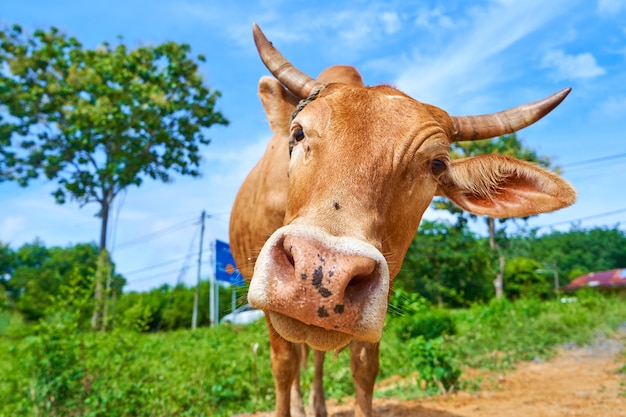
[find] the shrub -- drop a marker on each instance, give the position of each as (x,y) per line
(429,325)
(522,279)
(437,368)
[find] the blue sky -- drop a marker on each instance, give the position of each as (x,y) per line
(466,57)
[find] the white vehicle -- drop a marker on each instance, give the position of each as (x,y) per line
(245,314)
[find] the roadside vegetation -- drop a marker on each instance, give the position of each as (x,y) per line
(60,369)
(443,319)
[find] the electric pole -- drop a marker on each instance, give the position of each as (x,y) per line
(214,293)
(196,296)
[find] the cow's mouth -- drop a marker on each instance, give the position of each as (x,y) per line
(317,337)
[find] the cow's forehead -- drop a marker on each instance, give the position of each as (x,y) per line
(360,110)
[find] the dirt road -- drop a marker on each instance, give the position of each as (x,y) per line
(577,382)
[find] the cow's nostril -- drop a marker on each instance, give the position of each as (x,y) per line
(289,258)
(283,256)
(361,282)
(358,285)
(287,250)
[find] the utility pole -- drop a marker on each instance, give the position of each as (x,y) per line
(214,295)
(196,296)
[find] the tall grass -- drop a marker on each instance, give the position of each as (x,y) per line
(64,371)
(502,333)
(209,372)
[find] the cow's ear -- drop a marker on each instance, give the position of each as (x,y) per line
(278,104)
(501,186)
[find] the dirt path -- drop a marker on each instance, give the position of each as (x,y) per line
(577,382)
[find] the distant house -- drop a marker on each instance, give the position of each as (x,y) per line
(611,279)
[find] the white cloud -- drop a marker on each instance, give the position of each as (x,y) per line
(467,64)
(571,67)
(346,28)
(433,19)
(391,22)
(40,217)
(613,108)
(611,7)
(10,227)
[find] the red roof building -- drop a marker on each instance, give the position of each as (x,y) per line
(614,278)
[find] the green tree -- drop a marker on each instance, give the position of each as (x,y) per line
(171,308)
(524,278)
(99,120)
(31,283)
(40,272)
(578,251)
(447,264)
(509,145)
(7,264)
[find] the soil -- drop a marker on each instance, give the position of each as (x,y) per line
(576,382)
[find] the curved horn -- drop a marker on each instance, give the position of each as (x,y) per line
(291,77)
(508,121)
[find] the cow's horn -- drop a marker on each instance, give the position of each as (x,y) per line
(291,77)
(508,121)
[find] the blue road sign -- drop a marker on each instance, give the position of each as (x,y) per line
(225,269)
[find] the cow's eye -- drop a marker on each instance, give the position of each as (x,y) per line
(437,166)
(298,134)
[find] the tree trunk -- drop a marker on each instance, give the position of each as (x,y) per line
(103,261)
(498,282)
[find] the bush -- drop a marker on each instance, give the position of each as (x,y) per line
(67,371)
(407,303)
(504,332)
(429,325)
(522,279)
(13,325)
(437,368)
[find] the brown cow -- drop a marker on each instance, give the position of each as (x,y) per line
(322,223)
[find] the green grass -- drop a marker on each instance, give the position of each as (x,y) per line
(59,370)
(502,333)
(209,372)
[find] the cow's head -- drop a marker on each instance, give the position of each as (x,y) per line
(365,164)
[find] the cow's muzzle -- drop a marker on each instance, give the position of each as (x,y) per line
(321,289)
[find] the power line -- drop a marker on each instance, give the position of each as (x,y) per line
(166,230)
(161,264)
(594,216)
(147,268)
(175,227)
(594,160)
(151,277)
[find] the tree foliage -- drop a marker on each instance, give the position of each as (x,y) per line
(577,251)
(99,120)
(170,308)
(524,278)
(509,145)
(37,273)
(447,264)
